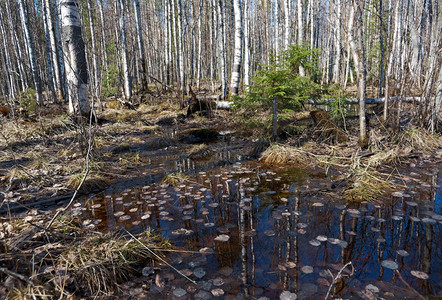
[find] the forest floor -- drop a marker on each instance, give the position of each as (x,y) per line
(42,165)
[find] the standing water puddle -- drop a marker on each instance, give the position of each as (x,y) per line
(257,232)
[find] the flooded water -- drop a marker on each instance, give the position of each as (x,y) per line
(250,232)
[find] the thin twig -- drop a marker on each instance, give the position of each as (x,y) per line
(336,278)
(16,275)
(159,258)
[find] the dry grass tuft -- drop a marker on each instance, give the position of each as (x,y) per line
(368,186)
(100,262)
(283,155)
(175,179)
(417,138)
(93,182)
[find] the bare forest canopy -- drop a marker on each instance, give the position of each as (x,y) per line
(213,45)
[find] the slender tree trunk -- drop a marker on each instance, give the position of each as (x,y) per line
(181,49)
(75,59)
(51,81)
(103,35)
(276,26)
(390,59)
(337,59)
(125,58)
(95,81)
(359,61)
(432,62)
(54,50)
(286,24)
(437,103)
(246,44)
(236,71)
(381,45)
(142,54)
(200,39)
(10,76)
(17,49)
(222,47)
(300,32)
(31,52)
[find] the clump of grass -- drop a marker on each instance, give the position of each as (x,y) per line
(388,157)
(159,142)
(175,179)
(283,155)
(368,186)
(417,138)
(92,182)
(99,263)
(200,152)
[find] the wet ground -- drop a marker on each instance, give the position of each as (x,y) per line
(250,231)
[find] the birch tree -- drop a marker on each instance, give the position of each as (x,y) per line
(54,49)
(74,58)
(300,32)
(246,44)
(124,54)
(357,48)
(140,41)
(236,70)
(31,51)
(10,76)
(95,81)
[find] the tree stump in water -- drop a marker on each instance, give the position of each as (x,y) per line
(326,129)
(196,104)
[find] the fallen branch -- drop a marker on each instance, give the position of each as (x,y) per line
(16,275)
(338,276)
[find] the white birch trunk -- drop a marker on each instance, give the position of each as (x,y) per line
(124,54)
(54,50)
(246,44)
(391,59)
(142,54)
(300,32)
(95,81)
(359,61)
(222,47)
(103,34)
(276,26)
(31,52)
(286,24)
(75,59)
(236,71)
(49,52)
(181,48)
(337,61)
(18,52)
(200,38)
(10,76)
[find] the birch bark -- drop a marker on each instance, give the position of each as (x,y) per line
(142,54)
(74,58)
(357,8)
(124,54)
(300,32)
(31,51)
(236,71)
